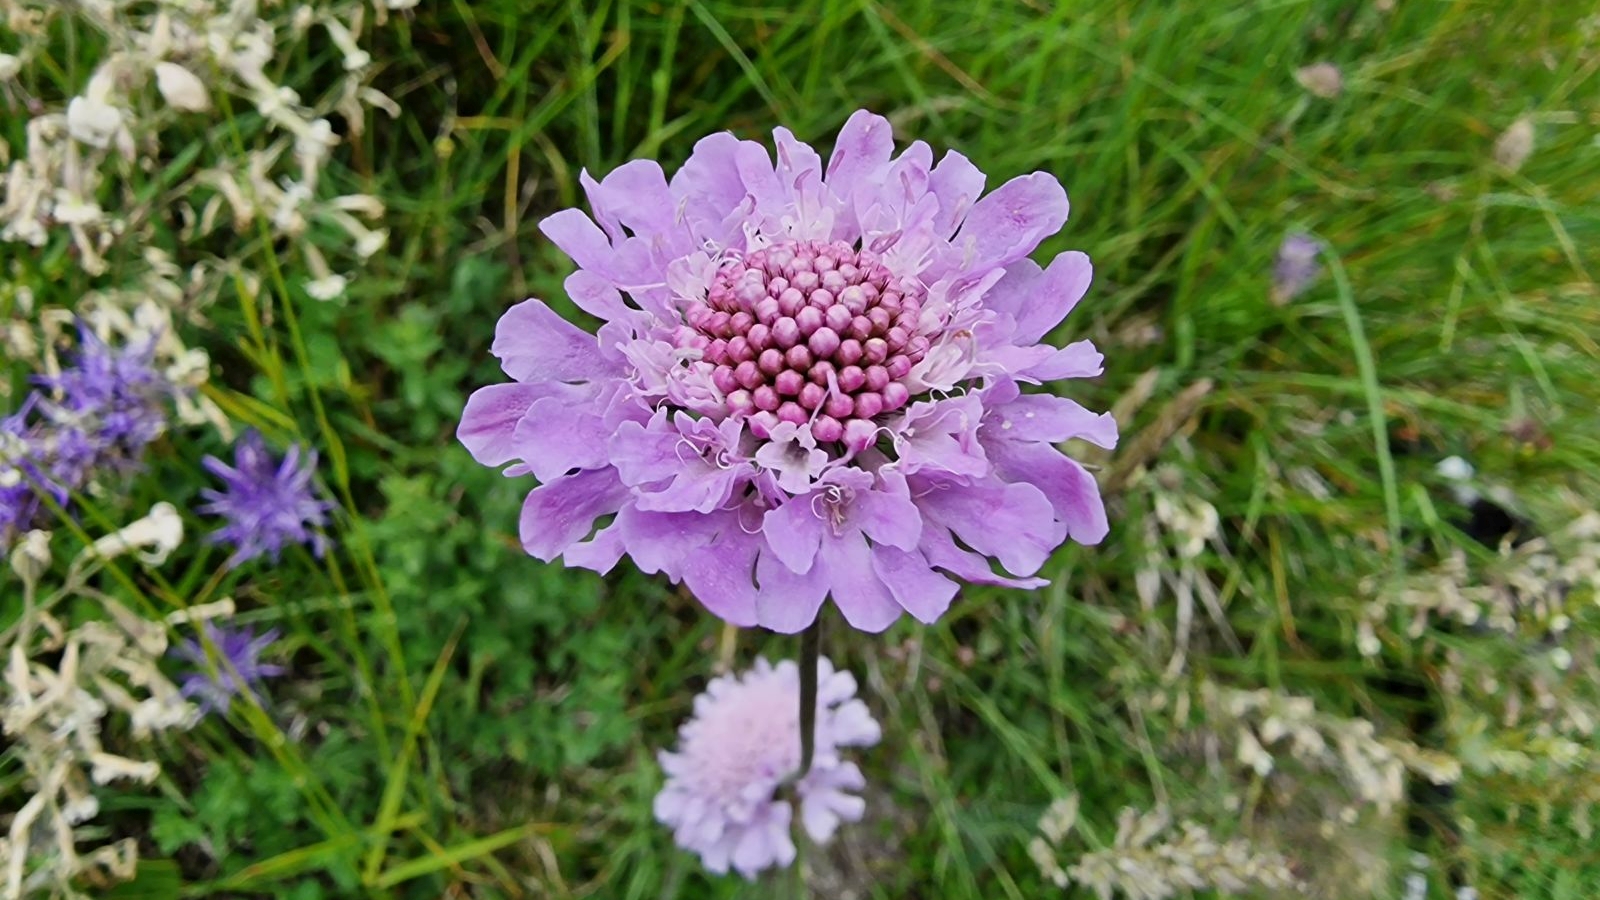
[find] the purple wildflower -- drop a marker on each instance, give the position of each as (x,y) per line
(267,503)
(1296,267)
(808,381)
(105,408)
(238,665)
(721,796)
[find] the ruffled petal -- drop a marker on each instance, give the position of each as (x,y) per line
(786,602)
(535,344)
(958,184)
(857,591)
(1009,223)
(490,419)
(1072,491)
(559,514)
(913,583)
(558,435)
(1045,417)
(862,149)
(794,531)
(1013,523)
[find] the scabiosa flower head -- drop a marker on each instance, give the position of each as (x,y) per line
(721,796)
(1296,267)
(21,479)
(237,669)
(267,502)
(810,381)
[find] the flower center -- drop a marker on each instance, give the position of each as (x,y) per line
(809,331)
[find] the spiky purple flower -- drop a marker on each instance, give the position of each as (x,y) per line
(238,666)
(95,417)
(268,503)
(105,408)
(809,382)
(722,793)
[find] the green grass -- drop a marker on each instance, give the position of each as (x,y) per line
(465,721)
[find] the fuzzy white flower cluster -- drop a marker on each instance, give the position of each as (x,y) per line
(1270,724)
(60,686)
(83,171)
(1148,861)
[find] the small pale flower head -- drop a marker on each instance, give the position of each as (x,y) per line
(1515,145)
(182,88)
(1322,79)
(722,796)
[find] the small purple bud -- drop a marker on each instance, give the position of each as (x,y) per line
(874,350)
(791,412)
(897,338)
(854,299)
(860,328)
(895,395)
(836,317)
(762,423)
(890,301)
(718,324)
(833,282)
(809,320)
(824,264)
(859,434)
(898,367)
(819,373)
(748,375)
(877,378)
(851,378)
(804,281)
(740,403)
(798,358)
(839,406)
(788,382)
(741,321)
(723,378)
(698,315)
(776,285)
(812,395)
(823,341)
(849,352)
(786,333)
(881,319)
(759,336)
(771,361)
(739,350)
(766,398)
(790,302)
(868,404)
(827,429)
(821,299)
(717,351)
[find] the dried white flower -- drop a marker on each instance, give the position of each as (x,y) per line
(9,66)
(1321,79)
(182,88)
(1515,144)
(158,534)
(328,288)
(93,121)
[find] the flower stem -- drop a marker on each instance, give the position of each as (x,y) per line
(810,649)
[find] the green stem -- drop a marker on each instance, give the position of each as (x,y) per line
(810,649)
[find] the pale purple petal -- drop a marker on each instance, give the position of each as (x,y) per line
(558,435)
(1071,490)
(858,592)
(862,149)
(562,512)
(914,584)
(786,602)
(1012,522)
(491,417)
(794,531)
(535,344)
(1010,222)
(958,184)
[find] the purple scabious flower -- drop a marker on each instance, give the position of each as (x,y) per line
(21,479)
(1296,267)
(267,502)
(721,796)
(809,381)
(238,666)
